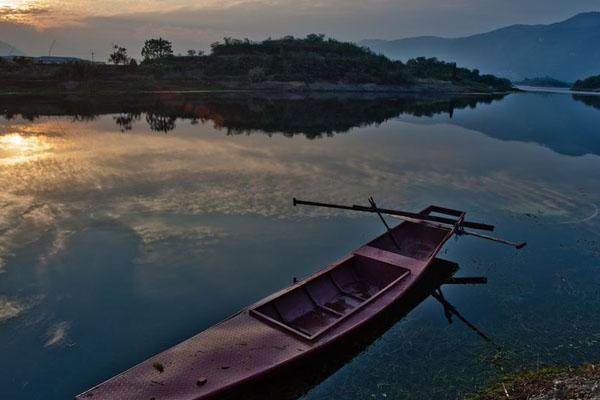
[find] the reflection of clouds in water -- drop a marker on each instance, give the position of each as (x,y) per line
(152,232)
(198,171)
(11,307)
(57,334)
(541,201)
(163,240)
(58,243)
(22,222)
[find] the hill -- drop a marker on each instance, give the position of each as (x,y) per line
(546,81)
(591,83)
(316,59)
(566,50)
(7,50)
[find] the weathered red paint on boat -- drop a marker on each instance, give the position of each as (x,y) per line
(288,325)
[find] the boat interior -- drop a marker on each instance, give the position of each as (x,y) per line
(322,302)
(417,241)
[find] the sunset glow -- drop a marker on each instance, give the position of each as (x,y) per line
(9,3)
(15,148)
(55,13)
(17,140)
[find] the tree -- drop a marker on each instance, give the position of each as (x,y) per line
(119,56)
(191,53)
(156,49)
(314,37)
(256,74)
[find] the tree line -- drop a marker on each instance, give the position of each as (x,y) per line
(309,59)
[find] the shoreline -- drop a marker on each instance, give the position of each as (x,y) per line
(552,383)
(56,87)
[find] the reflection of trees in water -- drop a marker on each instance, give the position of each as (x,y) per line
(84,117)
(318,117)
(591,100)
(313,116)
(161,122)
(125,121)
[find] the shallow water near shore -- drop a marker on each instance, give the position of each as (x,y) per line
(129,224)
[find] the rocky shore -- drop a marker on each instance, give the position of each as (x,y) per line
(546,384)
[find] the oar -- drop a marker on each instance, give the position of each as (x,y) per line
(401,214)
(431,220)
(492,238)
(458,229)
(389,230)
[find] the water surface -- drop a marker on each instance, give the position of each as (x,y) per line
(130,224)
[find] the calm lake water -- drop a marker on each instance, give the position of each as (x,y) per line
(129,224)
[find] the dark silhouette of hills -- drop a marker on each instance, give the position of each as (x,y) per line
(567,50)
(8,50)
(591,83)
(545,81)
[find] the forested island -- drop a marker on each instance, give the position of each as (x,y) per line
(313,63)
(590,84)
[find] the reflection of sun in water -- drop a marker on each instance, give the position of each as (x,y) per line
(16,148)
(17,140)
(13,142)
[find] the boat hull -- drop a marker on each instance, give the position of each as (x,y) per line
(287,327)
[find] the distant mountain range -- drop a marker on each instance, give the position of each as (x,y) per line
(8,50)
(567,50)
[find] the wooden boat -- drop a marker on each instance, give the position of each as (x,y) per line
(290,325)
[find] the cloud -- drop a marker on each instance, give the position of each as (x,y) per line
(18,14)
(85,27)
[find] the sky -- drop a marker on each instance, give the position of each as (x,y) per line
(80,27)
